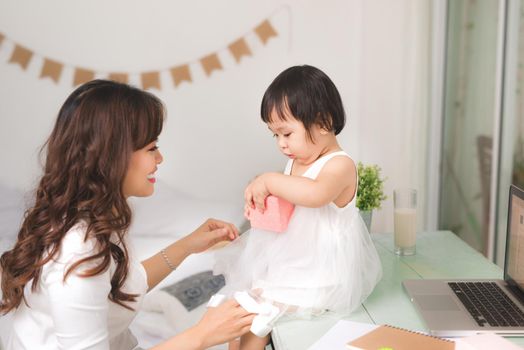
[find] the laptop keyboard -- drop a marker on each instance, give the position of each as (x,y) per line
(488,304)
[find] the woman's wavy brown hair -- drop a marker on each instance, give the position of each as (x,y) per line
(98,128)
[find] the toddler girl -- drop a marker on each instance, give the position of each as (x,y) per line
(325,259)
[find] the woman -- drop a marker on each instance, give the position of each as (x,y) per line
(71,280)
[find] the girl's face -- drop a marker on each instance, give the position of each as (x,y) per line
(293,140)
(140,177)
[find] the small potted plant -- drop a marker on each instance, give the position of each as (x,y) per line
(370,192)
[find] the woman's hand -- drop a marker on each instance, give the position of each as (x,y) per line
(223,323)
(218,325)
(208,234)
(256,192)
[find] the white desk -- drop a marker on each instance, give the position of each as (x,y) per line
(440,254)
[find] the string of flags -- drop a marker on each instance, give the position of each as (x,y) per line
(180,72)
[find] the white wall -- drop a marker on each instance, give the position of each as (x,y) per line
(214,141)
(394,91)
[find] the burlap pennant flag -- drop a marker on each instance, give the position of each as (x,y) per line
(180,74)
(239,48)
(118,77)
(82,76)
(211,63)
(265,31)
(150,80)
(21,56)
(51,69)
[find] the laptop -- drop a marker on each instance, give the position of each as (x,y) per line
(456,308)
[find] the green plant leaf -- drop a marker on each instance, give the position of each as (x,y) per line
(370,191)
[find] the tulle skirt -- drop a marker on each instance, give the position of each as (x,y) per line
(325,260)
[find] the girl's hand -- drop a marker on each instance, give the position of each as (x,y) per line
(223,323)
(256,192)
(208,234)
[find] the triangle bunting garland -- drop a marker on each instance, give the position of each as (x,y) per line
(180,72)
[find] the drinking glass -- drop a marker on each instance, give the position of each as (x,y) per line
(405,217)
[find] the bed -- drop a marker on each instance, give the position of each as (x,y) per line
(158,221)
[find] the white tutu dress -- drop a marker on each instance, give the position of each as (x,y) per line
(324,260)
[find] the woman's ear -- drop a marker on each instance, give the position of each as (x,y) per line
(324,131)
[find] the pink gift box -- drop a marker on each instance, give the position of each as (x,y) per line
(276,216)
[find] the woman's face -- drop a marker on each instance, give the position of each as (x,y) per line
(140,177)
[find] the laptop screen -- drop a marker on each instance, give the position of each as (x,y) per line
(514,262)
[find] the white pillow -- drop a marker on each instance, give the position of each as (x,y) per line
(173,212)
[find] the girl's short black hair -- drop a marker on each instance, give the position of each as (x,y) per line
(309,95)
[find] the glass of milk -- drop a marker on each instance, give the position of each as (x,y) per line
(405,234)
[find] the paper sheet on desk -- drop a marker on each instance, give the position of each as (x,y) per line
(341,333)
(485,342)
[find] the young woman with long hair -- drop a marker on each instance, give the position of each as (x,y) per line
(71,281)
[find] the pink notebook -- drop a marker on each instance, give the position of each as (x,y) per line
(276,216)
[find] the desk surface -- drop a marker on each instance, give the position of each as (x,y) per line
(440,254)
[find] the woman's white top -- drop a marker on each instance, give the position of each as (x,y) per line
(77,314)
(324,260)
